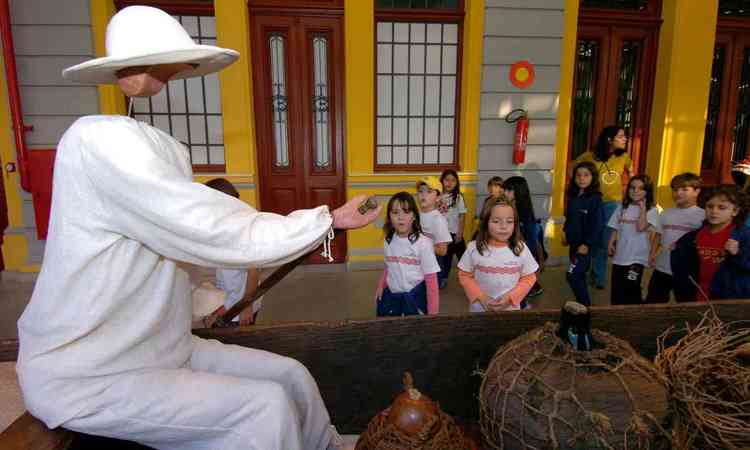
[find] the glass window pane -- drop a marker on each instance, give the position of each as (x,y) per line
(415,155)
(195,95)
(199,154)
(714,108)
(213,94)
(159,102)
(418,32)
(384,58)
(417,59)
(179,128)
(216,154)
(400,97)
(400,58)
(450,33)
(416,96)
(197,129)
(384,95)
(162,123)
(449,59)
(399,155)
(140,105)
(321,102)
(432,102)
(176,96)
(446,131)
(433,59)
(401,32)
(399,131)
(430,155)
(190,24)
(384,155)
(384,131)
(385,31)
(587,53)
(446,155)
(208,26)
(434,32)
(416,128)
(448,96)
(215,131)
(279,99)
(431,131)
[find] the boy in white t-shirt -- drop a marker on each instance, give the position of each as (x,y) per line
(674,223)
(633,221)
(497,270)
(434,224)
(409,283)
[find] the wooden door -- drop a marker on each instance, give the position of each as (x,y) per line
(299,108)
(3,213)
(613,84)
(727,136)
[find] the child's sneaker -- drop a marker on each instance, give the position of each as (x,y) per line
(535,291)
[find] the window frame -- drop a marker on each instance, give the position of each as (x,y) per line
(184,8)
(411,15)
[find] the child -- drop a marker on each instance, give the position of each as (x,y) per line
(716,256)
(630,241)
(434,225)
(674,223)
(409,282)
(741,177)
(495,190)
(584,221)
(516,189)
(497,269)
(454,210)
(236,283)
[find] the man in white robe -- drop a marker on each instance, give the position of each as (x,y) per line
(105,343)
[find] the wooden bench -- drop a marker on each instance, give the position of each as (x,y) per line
(358,364)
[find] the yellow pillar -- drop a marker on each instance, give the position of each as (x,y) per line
(471,86)
(559,175)
(111,99)
(683,72)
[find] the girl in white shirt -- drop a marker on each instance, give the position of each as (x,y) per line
(497,270)
(630,242)
(453,208)
(409,282)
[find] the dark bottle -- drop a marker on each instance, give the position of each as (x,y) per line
(575,326)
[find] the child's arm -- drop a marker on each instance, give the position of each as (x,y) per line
(471,288)
(612,246)
(655,248)
(461,222)
(642,224)
(518,293)
(738,253)
(381,285)
(253,277)
(433,294)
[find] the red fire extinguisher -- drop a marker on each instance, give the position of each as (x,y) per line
(520,118)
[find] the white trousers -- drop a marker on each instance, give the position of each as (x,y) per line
(227,397)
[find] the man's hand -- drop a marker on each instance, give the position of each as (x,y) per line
(732,246)
(347,217)
(612,247)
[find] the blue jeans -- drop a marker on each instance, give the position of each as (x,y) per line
(576,275)
(598,253)
(410,303)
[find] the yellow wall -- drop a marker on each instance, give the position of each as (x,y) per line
(559,176)
(359,20)
(678,115)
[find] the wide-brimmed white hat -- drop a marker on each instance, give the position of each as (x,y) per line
(145,36)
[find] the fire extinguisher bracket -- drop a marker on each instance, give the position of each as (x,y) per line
(521,119)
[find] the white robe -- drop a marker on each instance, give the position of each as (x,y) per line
(112,302)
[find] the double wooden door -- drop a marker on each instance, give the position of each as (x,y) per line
(613,85)
(299,109)
(727,137)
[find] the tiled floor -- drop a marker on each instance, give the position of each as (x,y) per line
(307,294)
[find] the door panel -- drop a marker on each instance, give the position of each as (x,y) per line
(298,98)
(613,82)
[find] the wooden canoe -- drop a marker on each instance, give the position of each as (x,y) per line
(358,364)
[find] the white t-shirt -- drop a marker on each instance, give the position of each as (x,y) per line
(632,246)
(408,262)
(497,271)
(452,211)
(233,282)
(673,224)
(435,227)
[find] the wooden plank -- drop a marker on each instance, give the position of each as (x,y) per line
(358,364)
(28,433)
